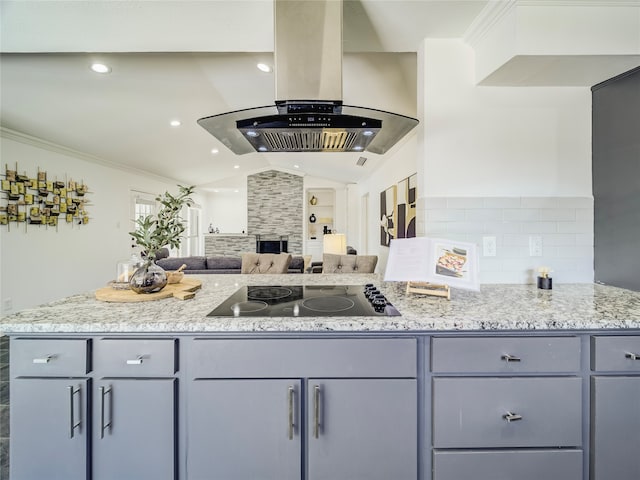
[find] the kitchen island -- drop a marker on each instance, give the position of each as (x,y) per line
(495,307)
(508,382)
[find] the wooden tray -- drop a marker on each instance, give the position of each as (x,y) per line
(184,290)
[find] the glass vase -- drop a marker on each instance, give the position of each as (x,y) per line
(149,278)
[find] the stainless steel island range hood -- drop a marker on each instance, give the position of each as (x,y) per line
(308,115)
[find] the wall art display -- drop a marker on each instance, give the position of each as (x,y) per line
(40,199)
(387,215)
(406,207)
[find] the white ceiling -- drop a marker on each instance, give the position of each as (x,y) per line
(186,60)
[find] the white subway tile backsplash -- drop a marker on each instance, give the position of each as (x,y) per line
(491,228)
(584,214)
(559,239)
(565,225)
(511,239)
(558,214)
(501,202)
(445,215)
(521,215)
(539,202)
(575,202)
(539,227)
(464,202)
(575,227)
(484,215)
(582,251)
(466,227)
(433,229)
(584,239)
(434,202)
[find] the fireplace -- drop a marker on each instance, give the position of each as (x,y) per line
(272,243)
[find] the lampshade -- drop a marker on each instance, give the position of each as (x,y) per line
(335,243)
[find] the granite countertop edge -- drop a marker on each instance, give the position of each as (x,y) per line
(496,307)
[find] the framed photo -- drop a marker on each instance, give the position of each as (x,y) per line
(42,177)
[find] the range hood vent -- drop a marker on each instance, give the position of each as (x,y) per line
(308,115)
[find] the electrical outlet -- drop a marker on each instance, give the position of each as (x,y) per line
(489,246)
(535,246)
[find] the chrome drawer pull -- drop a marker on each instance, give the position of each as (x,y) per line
(46,359)
(511,417)
(510,358)
(72,414)
(316,411)
(632,356)
(104,391)
(137,361)
(291,392)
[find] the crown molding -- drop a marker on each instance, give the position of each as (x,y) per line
(491,14)
(56,148)
(495,10)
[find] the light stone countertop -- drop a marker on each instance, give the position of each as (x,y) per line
(495,307)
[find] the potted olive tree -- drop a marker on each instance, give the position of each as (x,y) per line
(153,232)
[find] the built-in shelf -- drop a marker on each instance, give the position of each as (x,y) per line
(320,202)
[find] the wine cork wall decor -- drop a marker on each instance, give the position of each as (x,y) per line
(41,200)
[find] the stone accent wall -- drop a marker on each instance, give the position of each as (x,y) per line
(4,407)
(228,245)
(274,207)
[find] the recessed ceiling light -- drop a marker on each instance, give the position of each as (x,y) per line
(100,68)
(296,166)
(214,151)
(236,191)
(175,123)
(263,67)
(236,166)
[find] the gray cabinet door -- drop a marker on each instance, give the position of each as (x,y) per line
(615,423)
(49,429)
(134,433)
(244,429)
(362,429)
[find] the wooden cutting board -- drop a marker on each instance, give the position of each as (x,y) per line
(184,290)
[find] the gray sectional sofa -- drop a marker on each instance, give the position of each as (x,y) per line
(217,264)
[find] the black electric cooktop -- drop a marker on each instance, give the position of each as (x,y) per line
(305,301)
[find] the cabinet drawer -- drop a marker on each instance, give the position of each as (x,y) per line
(511,464)
(117,357)
(615,353)
(258,358)
(475,412)
(49,357)
(505,354)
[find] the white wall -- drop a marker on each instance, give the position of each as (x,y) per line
(500,141)
(226,210)
(42,264)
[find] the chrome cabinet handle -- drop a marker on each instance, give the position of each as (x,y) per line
(290,396)
(46,359)
(316,411)
(137,361)
(511,417)
(72,414)
(104,391)
(632,356)
(510,358)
